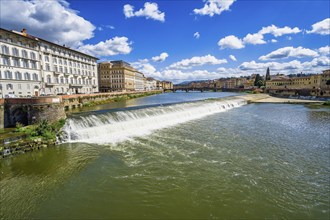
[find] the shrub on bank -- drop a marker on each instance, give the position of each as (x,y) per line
(44,129)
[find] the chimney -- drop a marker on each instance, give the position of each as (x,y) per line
(23,31)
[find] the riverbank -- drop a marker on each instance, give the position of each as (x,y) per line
(265,98)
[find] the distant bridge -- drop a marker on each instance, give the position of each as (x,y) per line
(188,88)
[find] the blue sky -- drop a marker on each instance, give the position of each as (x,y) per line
(185,40)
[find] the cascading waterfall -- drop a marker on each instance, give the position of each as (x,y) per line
(114,127)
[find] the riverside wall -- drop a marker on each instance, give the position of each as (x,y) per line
(29,111)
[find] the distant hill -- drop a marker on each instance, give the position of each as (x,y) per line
(187,82)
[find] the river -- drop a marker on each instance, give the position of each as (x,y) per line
(177,156)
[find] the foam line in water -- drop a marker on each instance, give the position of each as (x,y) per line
(114,127)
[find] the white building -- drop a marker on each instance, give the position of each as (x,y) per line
(139,81)
(151,84)
(31,66)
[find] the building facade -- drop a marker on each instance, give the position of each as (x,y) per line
(151,84)
(31,66)
(315,85)
(116,76)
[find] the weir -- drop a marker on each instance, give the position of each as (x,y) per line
(114,127)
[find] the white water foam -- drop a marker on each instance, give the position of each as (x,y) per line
(120,126)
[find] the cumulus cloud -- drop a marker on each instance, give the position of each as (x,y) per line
(234,42)
(231,42)
(277,32)
(147,69)
(232,57)
(286,52)
(150,10)
(51,20)
(160,58)
(114,46)
(197,61)
(317,64)
(324,50)
(254,39)
(214,7)
(197,35)
(321,27)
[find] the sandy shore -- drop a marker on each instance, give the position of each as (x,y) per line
(265,98)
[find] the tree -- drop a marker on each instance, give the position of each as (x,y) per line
(258,81)
(267,74)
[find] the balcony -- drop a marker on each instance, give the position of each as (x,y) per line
(75,85)
(52,84)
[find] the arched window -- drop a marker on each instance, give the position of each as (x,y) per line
(24,54)
(49,79)
(9,86)
(32,56)
(15,52)
(62,80)
(27,76)
(18,75)
(5,49)
(35,76)
(8,75)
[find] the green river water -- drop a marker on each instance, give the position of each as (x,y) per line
(254,161)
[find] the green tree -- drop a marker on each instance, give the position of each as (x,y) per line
(258,81)
(267,74)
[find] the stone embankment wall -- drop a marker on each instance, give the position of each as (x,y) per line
(78,100)
(28,111)
(24,146)
(31,110)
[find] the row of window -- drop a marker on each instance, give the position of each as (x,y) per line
(18,42)
(71,63)
(19,76)
(15,52)
(64,80)
(65,53)
(16,62)
(60,69)
(19,86)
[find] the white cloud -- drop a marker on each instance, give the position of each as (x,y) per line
(160,58)
(197,61)
(51,20)
(316,65)
(147,69)
(101,28)
(114,46)
(324,50)
(277,32)
(321,27)
(232,57)
(286,52)
(272,65)
(254,39)
(150,10)
(214,7)
(231,42)
(197,35)
(234,42)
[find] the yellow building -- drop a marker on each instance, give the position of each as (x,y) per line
(311,85)
(116,76)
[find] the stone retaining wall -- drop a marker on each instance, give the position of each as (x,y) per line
(24,146)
